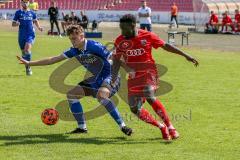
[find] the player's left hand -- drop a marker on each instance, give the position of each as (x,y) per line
(194,61)
(22,61)
(40,29)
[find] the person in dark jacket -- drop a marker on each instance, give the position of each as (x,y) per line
(53,13)
(85,21)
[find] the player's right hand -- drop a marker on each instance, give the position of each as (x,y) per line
(40,29)
(194,61)
(14,24)
(22,61)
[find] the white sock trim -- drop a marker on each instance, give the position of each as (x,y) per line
(171,127)
(161,125)
(82,126)
(122,125)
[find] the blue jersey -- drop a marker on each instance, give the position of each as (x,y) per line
(25,18)
(94,58)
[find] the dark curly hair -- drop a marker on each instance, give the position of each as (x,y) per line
(74,29)
(128,18)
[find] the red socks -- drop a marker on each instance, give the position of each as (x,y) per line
(161,111)
(145,116)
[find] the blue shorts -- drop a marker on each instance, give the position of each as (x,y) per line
(27,39)
(146,26)
(94,86)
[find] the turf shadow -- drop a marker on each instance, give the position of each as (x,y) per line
(64,138)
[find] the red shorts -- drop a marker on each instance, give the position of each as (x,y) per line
(137,85)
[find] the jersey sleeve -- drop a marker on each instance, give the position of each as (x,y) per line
(156,41)
(149,10)
(16,16)
(49,11)
(71,52)
(34,16)
(98,49)
(139,10)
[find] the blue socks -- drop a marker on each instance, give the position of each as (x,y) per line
(27,56)
(77,111)
(113,111)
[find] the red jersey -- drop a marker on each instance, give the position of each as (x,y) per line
(237,18)
(174,10)
(213,18)
(137,54)
(227,19)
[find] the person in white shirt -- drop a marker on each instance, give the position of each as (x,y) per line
(144,14)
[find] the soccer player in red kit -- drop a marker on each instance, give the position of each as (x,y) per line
(237,20)
(134,53)
(227,21)
(213,21)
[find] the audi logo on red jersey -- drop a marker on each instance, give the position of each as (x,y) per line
(135,52)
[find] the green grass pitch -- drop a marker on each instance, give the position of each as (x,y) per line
(204,106)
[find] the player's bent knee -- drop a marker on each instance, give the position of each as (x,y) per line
(26,50)
(103,93)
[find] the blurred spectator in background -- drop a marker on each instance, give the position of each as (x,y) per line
(4,16)
(84,22)
(174,14)
(144,14)
(94,26)
(33,5)
(65,22)
(53,13)
(212,25)
(237,20)
(74,19)
(227,22)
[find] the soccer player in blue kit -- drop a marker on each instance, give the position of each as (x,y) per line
(95,58)
(25,18)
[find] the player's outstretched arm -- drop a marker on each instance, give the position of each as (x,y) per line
(42,62)
(173,49)
(115,69)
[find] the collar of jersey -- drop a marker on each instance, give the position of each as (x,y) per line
(85,45)
(26,10)
(145,7)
